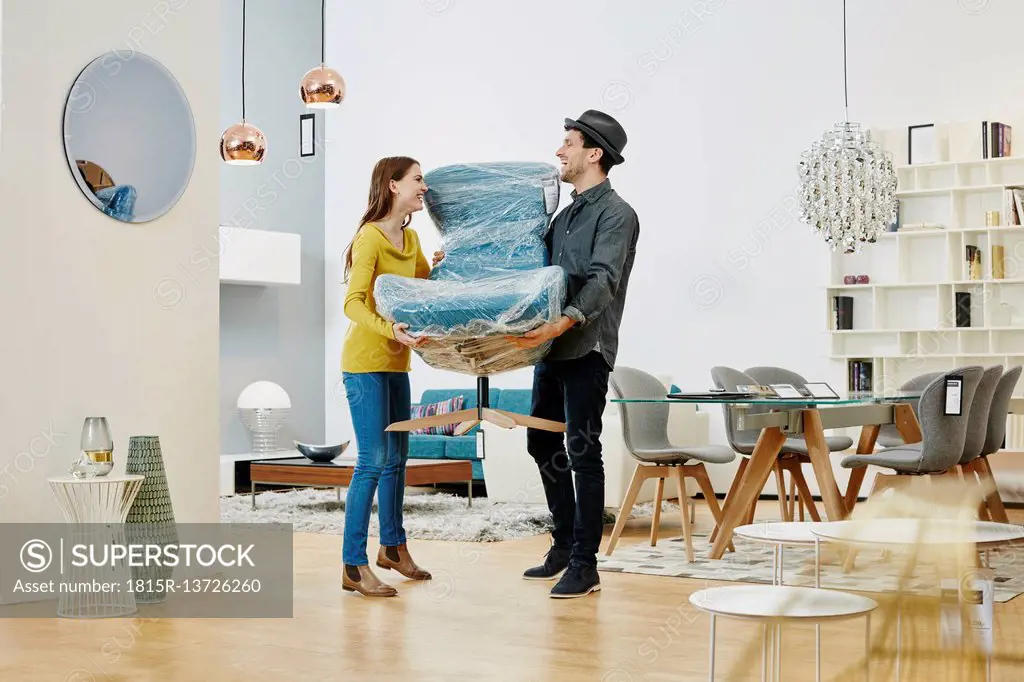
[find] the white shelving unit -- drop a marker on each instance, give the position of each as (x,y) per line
(259,257)
(905,317)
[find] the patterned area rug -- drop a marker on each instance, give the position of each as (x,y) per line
(752,563)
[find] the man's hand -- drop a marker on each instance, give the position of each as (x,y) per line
(438,257)
(542,334)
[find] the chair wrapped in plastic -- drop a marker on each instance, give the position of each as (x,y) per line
(495,280)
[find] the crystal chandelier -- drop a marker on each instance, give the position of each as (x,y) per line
(847,183)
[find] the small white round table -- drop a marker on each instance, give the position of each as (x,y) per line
(893,534)
(773,605)
(890,533)
(98,508)
(780,534)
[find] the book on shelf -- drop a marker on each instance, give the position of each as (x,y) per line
(996,140)
(859,375)
(1017,202)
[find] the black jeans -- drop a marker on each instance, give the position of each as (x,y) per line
(573,391)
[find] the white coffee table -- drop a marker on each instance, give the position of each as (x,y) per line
(774,605)
(896,534)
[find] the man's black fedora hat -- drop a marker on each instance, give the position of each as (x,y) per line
(605,130)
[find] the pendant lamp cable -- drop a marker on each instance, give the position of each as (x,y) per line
(323,32)
(243,60)
(846,94)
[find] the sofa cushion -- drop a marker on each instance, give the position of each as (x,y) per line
(432,395)
(516,400)
(453,404)
(460,447)
(427,447)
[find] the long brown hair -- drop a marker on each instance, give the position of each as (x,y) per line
(381,199)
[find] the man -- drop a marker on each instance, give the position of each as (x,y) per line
(594,240)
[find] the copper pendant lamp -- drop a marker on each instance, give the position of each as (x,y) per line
(321,87)
(243,144)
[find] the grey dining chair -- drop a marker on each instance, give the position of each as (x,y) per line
(994,435)
(888,435)
(943,436)
(792,456)
(766,375)
(977,424)
(645,433)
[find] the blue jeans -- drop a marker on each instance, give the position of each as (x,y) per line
(375,400)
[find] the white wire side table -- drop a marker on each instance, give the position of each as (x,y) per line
(774,605)
(97,509)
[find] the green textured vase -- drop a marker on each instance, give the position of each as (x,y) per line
(150,520)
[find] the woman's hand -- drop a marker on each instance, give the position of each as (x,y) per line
(405,339)
(438,257)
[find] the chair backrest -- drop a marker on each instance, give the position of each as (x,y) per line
(492,217)
(943,435)
(644,425)
(916,384)
(729,378)
(977,426)
(999,410)
(766,375)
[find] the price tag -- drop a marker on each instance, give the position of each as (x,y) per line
(954,396)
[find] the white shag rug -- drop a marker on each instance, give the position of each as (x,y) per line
(434,516)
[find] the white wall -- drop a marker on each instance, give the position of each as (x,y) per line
(719,98)
(101,317)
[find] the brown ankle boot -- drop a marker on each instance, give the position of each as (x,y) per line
(398,558)
(361,579)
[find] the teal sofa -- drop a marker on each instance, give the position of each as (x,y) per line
(470,446)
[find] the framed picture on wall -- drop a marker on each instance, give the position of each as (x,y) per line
(307,134)
(922,144)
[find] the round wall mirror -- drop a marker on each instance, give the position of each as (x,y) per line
(129,136)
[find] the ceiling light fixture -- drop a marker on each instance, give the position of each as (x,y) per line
(321,87)
(243,144)
(847,183)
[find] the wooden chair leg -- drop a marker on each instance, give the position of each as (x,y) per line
(793,502)
(804,491)
(639,476)
(700,474)
(684,513)
(780,486)
(992,500)
(656,516)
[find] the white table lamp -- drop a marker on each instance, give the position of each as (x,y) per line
(264,406)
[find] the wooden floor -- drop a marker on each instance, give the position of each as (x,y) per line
(477,620)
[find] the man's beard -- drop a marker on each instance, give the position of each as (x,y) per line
(570,173)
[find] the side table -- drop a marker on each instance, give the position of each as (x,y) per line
(773,605)
(92,506)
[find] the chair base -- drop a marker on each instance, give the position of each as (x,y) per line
(680,472)
(483,412)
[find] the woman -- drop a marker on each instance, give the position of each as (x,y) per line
(375,369)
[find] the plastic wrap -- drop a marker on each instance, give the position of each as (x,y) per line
(495,279)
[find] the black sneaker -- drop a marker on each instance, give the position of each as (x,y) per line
(555,562)
(577,581)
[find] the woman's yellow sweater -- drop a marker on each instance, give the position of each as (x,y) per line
(370,344)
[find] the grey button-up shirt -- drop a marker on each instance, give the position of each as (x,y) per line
(594,241)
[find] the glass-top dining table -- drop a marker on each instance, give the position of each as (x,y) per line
(808,418)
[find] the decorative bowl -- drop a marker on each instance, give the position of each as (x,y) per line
(321,453)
